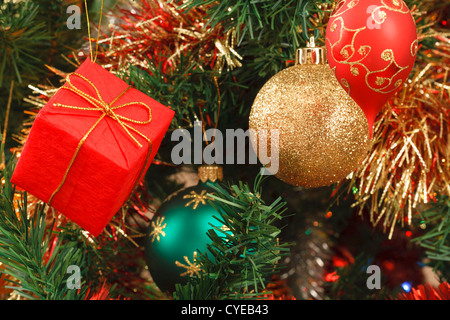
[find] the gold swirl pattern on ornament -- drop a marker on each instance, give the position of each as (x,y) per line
(348,53)
(414,48)
(345,84)
(395,5)
(391,5)
(387,55)
(343,4)
(381,15)
(344,51)
(354,70)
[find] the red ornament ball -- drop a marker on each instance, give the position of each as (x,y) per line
(371,46)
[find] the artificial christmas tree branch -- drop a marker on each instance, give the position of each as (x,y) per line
(436,239)
(187,89)
(246,250)
(19,30)
(37,246)
(5,127)
(32,251)
(251,19)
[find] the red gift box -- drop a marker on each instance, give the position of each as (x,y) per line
(90,145)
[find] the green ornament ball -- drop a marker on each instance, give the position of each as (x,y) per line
(177,233)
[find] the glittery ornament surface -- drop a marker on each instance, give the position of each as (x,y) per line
(323,134)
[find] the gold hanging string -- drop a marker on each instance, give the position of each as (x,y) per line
(98,32)
(8,108)
(219,101)
(89,31)
(203,123)
(89,28)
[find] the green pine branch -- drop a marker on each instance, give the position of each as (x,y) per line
(436,239)
(245,252)
(351,282)
(33,252)
(251,19)
(21,37)
(32,33)
(36,252)
(190,90)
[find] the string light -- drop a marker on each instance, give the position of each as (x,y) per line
(406,286)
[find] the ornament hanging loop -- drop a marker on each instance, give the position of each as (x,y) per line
(311,54)
(93,58)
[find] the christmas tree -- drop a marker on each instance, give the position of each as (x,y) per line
(202,219)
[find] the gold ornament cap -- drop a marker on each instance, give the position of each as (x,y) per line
(210,172)
(311,54)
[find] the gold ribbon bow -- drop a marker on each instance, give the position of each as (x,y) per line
(107,110)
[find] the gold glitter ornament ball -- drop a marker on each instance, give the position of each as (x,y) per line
(323,134)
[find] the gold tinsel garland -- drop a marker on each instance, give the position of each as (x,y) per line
(163,31)
(408,163)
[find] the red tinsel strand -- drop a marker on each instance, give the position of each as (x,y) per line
(427,292)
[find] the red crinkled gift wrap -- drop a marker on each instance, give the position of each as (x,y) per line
(109,162)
